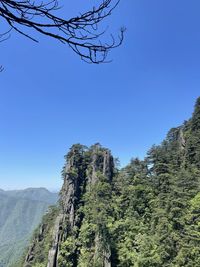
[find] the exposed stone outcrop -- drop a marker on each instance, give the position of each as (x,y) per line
(73,186)
(103,253)
(53,252)
(181,139)
(44,231)
(102,162)
(31,252)
(82,171)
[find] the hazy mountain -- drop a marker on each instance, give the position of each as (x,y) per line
(39,194)
(20,212)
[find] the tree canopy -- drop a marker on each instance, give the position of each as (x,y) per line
(147,215)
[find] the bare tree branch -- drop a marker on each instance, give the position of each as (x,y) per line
(81,33)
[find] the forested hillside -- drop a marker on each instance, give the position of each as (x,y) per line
(20,212)
(144,215)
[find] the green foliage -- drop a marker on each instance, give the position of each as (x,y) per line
(43,239)
(147,215)
(66,253)
(97,213)
(20,213)
(39,265)
(156,203)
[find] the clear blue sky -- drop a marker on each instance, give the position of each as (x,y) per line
(49,99)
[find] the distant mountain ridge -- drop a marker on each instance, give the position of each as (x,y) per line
(20,212)
(39,194)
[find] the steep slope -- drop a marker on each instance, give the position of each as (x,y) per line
(20,213)
(87,172)
(144,215)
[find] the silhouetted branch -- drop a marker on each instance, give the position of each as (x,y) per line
(81,33)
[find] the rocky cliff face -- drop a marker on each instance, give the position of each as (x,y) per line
(146,214)
(82,171)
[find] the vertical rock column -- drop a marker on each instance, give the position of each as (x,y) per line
(103,163)
(52,257)
(81,173)
(74,176)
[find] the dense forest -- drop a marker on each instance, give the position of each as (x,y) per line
(144,215)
